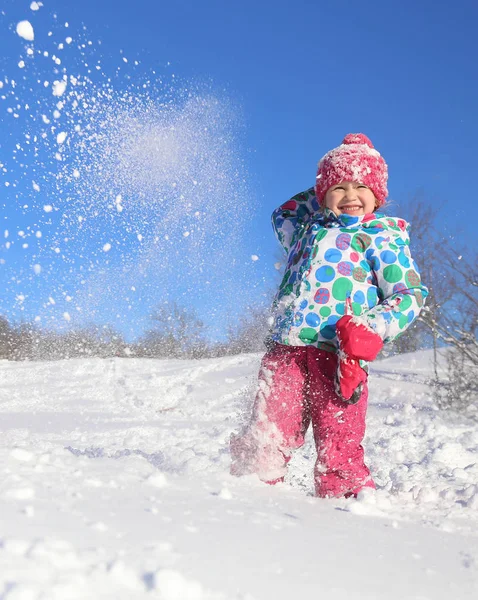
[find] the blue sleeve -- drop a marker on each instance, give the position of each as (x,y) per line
(291,217)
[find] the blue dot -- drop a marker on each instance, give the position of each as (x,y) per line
(340,308)
(303,304)
(403,259)
(359,297)
(375,263)
(411,316)
(325,274)
(388,257)
(372,297)
(365,265)
(333,255)
(328,331)
(312,319)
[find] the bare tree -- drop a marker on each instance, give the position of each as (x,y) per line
(457,328)
(177,333)
(251,333)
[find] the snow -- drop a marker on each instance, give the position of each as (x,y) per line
(25,30)
(171,151)
(115,484)
(58,88)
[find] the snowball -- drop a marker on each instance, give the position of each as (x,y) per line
(35,186)
(66,316)
(25,30)
(254,257)
(48,208)
(37,269)
(106,247)
(59,88)
(21,64)
(61,137)
(36,5)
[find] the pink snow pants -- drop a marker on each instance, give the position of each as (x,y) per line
(296,387)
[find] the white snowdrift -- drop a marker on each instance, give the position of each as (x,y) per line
(114,484)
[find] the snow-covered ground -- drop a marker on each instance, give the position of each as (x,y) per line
(114,484)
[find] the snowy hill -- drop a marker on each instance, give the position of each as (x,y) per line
(114,484)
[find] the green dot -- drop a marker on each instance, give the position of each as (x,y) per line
(341,288)
(288,289)
(412,278)
(392,273)
(308,335)
(419,297)
(285,279)
(402,321)
(356,308)
(311,307)
(405,303)
(361,241)
(359,274)
(325,311)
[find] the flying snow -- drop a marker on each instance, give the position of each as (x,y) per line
(25,30)
(117,152)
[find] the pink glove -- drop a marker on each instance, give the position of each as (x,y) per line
(356,340)
(349,380)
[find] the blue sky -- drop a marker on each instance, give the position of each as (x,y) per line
(292,79)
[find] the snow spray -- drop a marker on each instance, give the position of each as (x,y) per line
(126,188)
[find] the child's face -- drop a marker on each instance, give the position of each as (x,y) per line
(350,198)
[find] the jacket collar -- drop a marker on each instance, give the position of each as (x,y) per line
(329,219)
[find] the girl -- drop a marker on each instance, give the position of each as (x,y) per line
(350,285)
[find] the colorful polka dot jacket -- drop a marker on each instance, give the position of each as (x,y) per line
(333,262)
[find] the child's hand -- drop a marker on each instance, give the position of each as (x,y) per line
(357,340)
(349,380)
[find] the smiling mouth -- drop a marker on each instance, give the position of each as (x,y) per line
(350,208)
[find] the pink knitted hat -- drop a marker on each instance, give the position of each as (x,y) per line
(354,160)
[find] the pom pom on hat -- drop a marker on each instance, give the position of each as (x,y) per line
(354,160)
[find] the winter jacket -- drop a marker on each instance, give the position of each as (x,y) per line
(330,259)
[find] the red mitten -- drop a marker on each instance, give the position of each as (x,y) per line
(349,380)
(357,340)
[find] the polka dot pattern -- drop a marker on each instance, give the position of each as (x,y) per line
(332,259)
